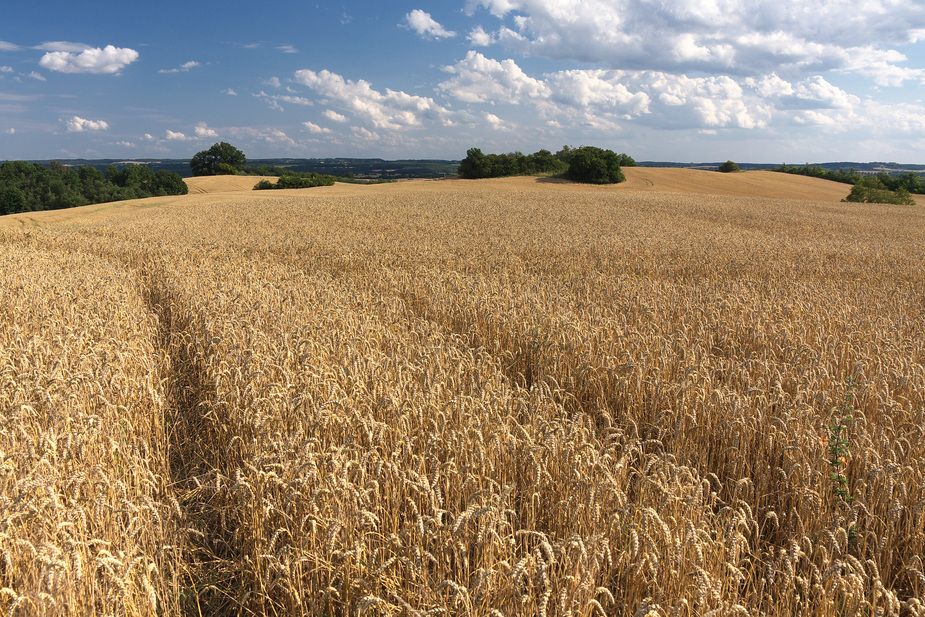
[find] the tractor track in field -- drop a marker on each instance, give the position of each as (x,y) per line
(212,584)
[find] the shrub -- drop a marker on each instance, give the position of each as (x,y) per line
(872,190)
(728,167)
(296,181)
(593,165)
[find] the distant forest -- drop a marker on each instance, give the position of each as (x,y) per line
(341,168)
(30,187)
(432,168)
(365,168)
(40,185)
(908,181)
(587,164)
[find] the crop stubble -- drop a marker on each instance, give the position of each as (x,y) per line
(463,398)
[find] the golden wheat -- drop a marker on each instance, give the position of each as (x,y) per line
(466,399)
(82,440)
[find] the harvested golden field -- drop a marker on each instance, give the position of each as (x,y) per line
(222,184)
(501,397)
(745,184)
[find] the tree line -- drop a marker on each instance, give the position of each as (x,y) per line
(879,188)
(873,190)
(849,176)
(584,164)
(224,159)
(910,181)
(30,187)
(294,180)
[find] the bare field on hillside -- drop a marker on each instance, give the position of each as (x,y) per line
(223,184)
(508,397)
(746,184)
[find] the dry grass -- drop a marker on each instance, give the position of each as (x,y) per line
(463,398)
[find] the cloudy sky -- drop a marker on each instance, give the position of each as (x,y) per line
(668,80)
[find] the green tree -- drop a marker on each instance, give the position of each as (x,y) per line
(27,187)
(593,165)
(545,162)
(873,191)
(169,183)
(728,167)
(94,186)
(12,200)
(63,188)
(475,165)
(221,159)
(296,181)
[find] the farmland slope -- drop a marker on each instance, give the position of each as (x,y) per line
(653,179)
(223,184)
(513,396)
(745,184)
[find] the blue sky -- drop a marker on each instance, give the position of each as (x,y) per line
(671,80)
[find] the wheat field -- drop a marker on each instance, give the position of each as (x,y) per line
(500,397)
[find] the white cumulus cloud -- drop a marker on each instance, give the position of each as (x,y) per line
(183,68)
(479,79)
(496,123)
(601,99)
(330,114)
(389,110)
(426,26)
(66,46)
(314,128)
(79,125)
(597,88)
(104,60)
(276,136)
(203,131)
(480,38)
(821,93)
(262,134)
(736,37)
(276,100)
(598,102)
(176,136)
